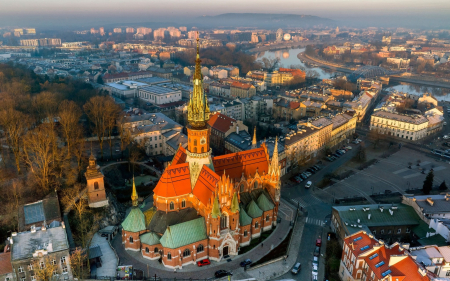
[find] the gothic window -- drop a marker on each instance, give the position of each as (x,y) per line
(256,225)
(200,248)
(223,221)
(131,239)
(195,149)
(172,206)
(147,250)
(169,256)
(203,149)
(95,185)
(241,188)
(256,184)
(245,233)
(155,250)
(267,218)
(195,142)
(183,204)
(186,253)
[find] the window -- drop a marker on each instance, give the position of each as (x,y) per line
(389,231)
(245,233)
(131,239)
(407,230)
(242,187)
(382,231)
(256,184)
(183,204)
(256,225)
(156,250)
(95,185)
(195,142)
(223,221)
(159,137)
(147,250)
(22,279)
(374,232)
(33,278)
(267,218)
(64,270)
(30,267)
(200,248)
(399,231)
(63,260)
(160,145)
(53,262)
(151,138)
(172,206)
(186,253)
(20,269)
(55,273)
(169,256)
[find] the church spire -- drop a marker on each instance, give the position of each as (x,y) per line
(134,196)
(198,109)
(254,138)
(274,167)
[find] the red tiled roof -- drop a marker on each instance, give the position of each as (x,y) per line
(245,86)
(247,162)
(180,156)
(360,243)
(205,185)
(384,254)
(175,181)
(295,72)
(221,122)
(5,263)
(406,270)
(294,105)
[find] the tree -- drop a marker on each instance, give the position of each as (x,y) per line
(443,186)
(69,115)
(100,80)
(111,114)
(44,268)
(78,259)
(270,64)
(428,183)
(45,105)
(14,124)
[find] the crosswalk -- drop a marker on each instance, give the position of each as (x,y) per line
(315,221)
(299,202)
(306,200)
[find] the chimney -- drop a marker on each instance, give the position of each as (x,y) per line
(237,130)
(430,201)
(391,212)
(381,208)
(368,217)
(43,228)
(33,229)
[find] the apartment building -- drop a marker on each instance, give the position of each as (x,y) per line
(221,126)
(219,89)
(234,109)
(123,89)
(410,127)
(110,77)
(364,258)
(242,90)
(343,127)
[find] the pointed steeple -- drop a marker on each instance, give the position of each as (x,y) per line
(235,203)
(274,164)
(215,212)
(134,195)
(254,143)
(198,109)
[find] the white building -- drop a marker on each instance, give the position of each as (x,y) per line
(411,127)
(124,89)
(159,95)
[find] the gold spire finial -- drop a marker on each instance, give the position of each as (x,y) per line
(198,52)
(254,138)
(274,165)
(134,196)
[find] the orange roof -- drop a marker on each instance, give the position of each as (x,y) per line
(295,72)
(384,254)
(180,156)
(406,270)
(355,243)
(205,185)
(5,263)
(294,104)
(247,162)
(245,86)
(175,181)
(221,122)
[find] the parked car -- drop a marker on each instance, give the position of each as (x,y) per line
(296,268)
(245,262)
(308,184)
(317,167)
(319,241)
(311,170)
(303,176)
(203,262)
(316,261)
(222,273)
(317,251)
(336,155)
(298,179)
(329,159)
(348,147)
(308,174)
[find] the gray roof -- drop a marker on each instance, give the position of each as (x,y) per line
(440,204)
(26,243)
(34,212)
(159,90)
(153,80)
(161,220)
(95,252)
(176,140)
(40,211)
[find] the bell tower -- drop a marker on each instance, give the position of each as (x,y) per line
(198,150)
(95,185)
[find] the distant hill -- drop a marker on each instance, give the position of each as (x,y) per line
(260,20)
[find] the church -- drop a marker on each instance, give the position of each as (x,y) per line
(204,206)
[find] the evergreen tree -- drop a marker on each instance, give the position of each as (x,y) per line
(100,79)
(428,183)
(443,186)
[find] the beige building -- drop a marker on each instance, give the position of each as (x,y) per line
(242,90)
(411,127)
(343,126)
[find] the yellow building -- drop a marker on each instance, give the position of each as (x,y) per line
(411,127)
(343,126)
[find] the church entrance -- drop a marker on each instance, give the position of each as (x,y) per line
(225,251)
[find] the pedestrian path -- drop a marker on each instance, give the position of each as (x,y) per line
(109,259)
(315,221)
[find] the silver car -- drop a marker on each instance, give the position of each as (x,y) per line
(296,268)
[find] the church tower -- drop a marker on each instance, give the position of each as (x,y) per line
(95,185)
(198,150)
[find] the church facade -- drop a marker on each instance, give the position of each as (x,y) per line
(204,206)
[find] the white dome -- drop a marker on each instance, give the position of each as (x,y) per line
(287,37)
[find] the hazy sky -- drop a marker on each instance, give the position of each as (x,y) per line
(88,12)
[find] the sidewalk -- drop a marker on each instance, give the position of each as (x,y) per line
(109,260)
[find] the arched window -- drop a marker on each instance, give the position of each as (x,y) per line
(200,248)
(245,233)
(156,250)
(171,206)
(242,187)
(186,253)
(203,149)
(169,256)
(95,185)
(195,142)
(195,149)
(223,221)
(255,184)
(131,239)
(267,218)
(147,250)
(183,204)
(256,225)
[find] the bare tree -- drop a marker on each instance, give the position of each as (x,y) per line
(14,124)
(270,64)
(45,268)
(77,260)
(111,115)
(124,134)
(69,115)
(45,106)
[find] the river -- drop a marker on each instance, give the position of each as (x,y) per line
(289,57)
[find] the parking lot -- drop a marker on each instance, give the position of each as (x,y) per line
(391,174)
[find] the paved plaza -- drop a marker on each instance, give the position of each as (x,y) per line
(392,174)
